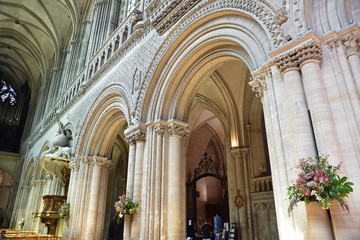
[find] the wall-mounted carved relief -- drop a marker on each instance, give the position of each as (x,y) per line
(136,81)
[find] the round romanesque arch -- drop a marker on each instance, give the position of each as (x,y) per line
(109,112)
(258,32)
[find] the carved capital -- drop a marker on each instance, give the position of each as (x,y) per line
(74,165)
(351,42)
(294,58)
(258,84)
(85,160)
(99,161)
(332,44)
(240,153)
(310,50)
(159,129)
(179,130)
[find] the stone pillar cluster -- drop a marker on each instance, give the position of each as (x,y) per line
(156,179)
(87,196)
(302,120)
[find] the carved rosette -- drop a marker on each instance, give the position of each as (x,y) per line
(294,58)
(179,130)
(351,42)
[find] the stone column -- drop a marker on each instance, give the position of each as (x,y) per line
(345,225)
(302,139)
(176,218)
(238,156)
(74,167)
(93,208)
(351,43)
(139,137)
(159,129)
(130,183)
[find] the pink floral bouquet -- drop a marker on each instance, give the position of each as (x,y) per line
(318,180)
(125,206)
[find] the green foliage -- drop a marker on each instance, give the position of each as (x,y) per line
(317,178)
(64,210)
(125,206)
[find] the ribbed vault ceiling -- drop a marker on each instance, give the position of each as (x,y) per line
(32,34)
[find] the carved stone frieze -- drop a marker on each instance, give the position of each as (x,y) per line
(294,58)
(170,12)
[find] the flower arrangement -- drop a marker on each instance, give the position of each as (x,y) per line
(318,179)
(21,224)
(64,210)
(125,206)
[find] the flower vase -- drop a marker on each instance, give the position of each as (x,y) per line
(127,226)
(319,225)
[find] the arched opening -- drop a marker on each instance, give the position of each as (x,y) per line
(204,81)
(106,152)
(117,185)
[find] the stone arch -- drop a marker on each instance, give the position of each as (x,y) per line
(29,172)
(109,112)
(255,32)
(234,42)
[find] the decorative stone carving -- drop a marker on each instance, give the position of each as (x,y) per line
(258,86)
(259,10)
(178,130)
(351,42)
(135,137)
(74,165)
(159,129)
(281,16)
(294,58)
(99,161)
(172,11)
(207,166)
(332,44)
(136,81)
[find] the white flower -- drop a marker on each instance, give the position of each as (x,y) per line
(121,215)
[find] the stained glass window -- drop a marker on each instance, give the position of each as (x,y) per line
(7,92)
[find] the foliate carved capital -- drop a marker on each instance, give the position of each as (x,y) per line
(135,137)
(159,129)
(332,44)
(74,165)
(258,84)
(294,58)
(240,153)
(351,42)
(99,161)
(179,130)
